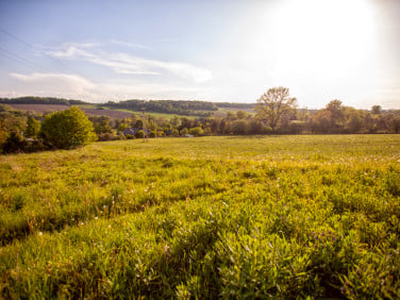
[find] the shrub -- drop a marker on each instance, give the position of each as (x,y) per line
(68,129)
(196,131)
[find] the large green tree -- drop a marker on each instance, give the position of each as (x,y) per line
(273,105)
(68,129)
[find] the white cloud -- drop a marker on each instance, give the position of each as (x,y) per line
(70,80)
(123,63)
(50,84)
(130,45)
(76,87)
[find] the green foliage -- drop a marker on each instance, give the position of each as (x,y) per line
(140,134)
(14,142)
(68,129)
(103,125)
(273,105)
(212,217)
(40,100)
(3,134)
(182,107)
(184,131)
(196,131)
(33,128)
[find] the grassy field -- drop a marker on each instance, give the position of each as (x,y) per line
(228,217)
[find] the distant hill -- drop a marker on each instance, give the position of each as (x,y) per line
(177,107)
(40,100)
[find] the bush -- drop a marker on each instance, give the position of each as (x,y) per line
(68,129)
(196,131)
(14,143)
(107,137)
(140,134)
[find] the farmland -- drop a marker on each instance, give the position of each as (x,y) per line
(229,217)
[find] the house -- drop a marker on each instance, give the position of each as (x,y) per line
(134,131)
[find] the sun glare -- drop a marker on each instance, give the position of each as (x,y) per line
(323,38)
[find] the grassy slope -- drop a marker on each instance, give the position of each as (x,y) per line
(214,216)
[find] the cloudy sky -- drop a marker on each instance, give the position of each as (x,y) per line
(213,50)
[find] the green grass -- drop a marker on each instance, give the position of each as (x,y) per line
(229,217)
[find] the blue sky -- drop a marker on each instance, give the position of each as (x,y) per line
(202,50)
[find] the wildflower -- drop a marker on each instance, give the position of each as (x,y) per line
(40,233)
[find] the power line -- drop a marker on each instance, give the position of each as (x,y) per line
(15,38)
(32,47)
(23,61)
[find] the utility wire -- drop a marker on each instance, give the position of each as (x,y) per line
(32,47)
(23,61)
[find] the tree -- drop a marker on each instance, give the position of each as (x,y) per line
(103,125)
(336,111)
(3,135)
(33,128)
(138,124)
(274,104)
(240,127)
(68,129)
(376,110)
(240,114)
(196,131)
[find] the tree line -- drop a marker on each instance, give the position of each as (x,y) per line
(276,112)
(178,107)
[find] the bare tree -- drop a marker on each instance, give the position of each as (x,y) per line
(273,105)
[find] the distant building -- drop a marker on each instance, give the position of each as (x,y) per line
(134,131)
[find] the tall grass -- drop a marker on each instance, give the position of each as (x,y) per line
(230,217)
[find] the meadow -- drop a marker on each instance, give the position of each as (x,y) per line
(212,217)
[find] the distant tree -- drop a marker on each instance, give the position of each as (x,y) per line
(175,122)
(138,124)
(174,132)
(68,129)
(240,126)
(322,122)
(184,131)
(354,121)
(14,143)
(240,114)
(230,116)
(3,134)
(124,124)
(139,134)
(273,104)
(376,110)
(196,131)
(103,125)
(337,115)
(33,127)
(256,126)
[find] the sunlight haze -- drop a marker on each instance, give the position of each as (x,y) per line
(221,51)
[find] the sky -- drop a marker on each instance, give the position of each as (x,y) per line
(211,50)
